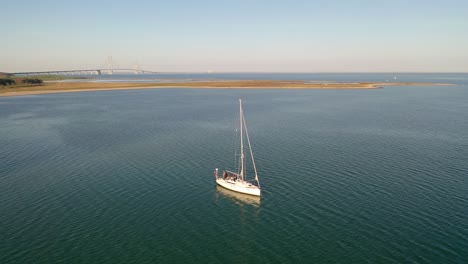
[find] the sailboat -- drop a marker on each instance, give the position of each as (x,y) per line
(237,181)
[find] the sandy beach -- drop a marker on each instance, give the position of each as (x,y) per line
(63,87)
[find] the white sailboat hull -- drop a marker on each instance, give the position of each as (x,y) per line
(239,186)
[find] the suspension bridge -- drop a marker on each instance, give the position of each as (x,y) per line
(108,69)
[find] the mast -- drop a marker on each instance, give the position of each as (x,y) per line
(241,140)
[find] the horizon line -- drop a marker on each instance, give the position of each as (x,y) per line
(255,72)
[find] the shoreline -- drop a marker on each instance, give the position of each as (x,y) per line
(66,87)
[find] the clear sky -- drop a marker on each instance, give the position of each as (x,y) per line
(237,35)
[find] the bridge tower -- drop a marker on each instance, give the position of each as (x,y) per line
(137,69)
(110,65)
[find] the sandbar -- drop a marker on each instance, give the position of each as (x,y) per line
(63,87)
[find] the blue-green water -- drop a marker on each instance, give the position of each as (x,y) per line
(348,176)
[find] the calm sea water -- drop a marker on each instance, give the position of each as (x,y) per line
(455,78)
(348,176)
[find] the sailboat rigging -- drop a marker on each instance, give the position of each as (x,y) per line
(236,181)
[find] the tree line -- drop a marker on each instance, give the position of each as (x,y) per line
(9,81)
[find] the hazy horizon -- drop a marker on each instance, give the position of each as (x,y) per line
(234,37)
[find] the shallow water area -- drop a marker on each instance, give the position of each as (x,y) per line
(348,176)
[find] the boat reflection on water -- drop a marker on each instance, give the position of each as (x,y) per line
(238,197)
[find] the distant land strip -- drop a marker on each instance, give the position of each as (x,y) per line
(62,87)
